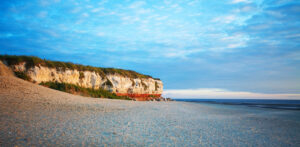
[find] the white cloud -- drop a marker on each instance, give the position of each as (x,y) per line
(230,38)
(225,19)
(159,7)
(229,18)
(191,3)
(130,19)
(196,14)
(167,2)
(177,53)
(240,1)
(223,94)
(102,2)
(161,18)
(246,9)
(174,6)
(137,4)
(85,15)
(96,10)
(89,6)
(236,45)
(100,34)
(143,11)
(48,2)
(275,14)
(233,41)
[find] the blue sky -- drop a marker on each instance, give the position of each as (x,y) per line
(195,45)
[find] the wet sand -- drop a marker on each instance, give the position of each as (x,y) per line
(32,115)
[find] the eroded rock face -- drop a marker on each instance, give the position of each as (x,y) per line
(132,87)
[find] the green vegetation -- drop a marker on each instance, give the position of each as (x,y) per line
(74,89)
(153,96)
(22,75)
(32,61)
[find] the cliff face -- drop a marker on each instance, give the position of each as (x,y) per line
(143,88)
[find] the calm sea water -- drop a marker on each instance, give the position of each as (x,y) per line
(274,104)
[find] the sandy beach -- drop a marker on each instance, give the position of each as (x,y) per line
(32,115)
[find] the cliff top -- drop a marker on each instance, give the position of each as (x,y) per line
(32,61)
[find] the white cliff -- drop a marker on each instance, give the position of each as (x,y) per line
(89,79)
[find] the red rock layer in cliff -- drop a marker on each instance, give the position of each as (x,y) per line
(140,97)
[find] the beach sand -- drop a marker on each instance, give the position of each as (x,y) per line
(32,115)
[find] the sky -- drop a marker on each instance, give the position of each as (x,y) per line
(198,48)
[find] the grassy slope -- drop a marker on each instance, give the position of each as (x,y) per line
(35,61)
(74,89)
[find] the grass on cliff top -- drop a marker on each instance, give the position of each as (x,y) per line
(89,92)
(32,61)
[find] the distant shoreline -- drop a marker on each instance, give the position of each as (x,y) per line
(261,103)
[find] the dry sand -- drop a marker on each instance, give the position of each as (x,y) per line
(4,70)
(32,115)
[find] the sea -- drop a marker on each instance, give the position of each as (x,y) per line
(262,103)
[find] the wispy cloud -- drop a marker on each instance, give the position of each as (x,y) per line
(100,34)
(85,14)
(225,19)
(137,4)
(177,53)
(97,10)
(240,1)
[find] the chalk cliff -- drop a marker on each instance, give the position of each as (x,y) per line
(122,85)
